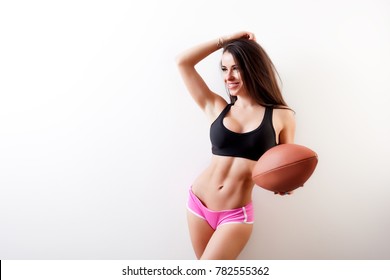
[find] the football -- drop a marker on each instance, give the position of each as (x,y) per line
(284,168)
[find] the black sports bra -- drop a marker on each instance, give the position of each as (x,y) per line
(250,145)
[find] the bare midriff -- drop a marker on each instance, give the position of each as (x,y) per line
(226,183)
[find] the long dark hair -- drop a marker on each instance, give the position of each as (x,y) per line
(257,71)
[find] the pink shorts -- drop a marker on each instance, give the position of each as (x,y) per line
(242,215)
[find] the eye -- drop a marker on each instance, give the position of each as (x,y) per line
(224,69)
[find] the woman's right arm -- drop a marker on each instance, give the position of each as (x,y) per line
(210,102)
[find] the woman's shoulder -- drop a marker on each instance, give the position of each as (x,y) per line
(216,107)
(284,112)
(284,115)
(284,123)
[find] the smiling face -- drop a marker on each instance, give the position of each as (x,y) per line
(231,74)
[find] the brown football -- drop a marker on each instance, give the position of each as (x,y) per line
(284,168)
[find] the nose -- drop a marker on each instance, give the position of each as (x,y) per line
(229,75)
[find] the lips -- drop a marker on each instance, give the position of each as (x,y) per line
(232,85)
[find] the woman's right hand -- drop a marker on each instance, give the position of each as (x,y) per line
(239,35)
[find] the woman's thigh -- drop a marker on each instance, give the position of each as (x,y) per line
(227,242)
(200,233)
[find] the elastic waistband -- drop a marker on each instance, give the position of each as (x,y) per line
(247,207)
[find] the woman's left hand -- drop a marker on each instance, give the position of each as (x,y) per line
(284,193)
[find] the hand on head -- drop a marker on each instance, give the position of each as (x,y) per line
(242,34)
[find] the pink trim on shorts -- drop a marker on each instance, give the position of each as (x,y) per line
(242,215)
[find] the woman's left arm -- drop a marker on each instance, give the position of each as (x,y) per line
(287,133)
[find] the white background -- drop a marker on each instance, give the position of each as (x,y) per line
(99,139)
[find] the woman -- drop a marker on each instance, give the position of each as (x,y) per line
(220,212)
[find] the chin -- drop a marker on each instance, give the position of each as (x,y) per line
(234,93)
